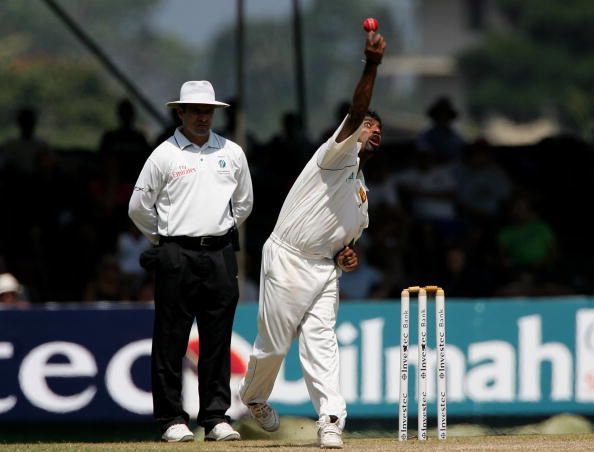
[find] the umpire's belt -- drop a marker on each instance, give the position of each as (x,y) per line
(207,242)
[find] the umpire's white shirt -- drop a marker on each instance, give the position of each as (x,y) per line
(326,208)
(185,189)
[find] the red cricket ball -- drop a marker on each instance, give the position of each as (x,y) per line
(370,24)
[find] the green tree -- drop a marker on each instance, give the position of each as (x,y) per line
(43,65)
(541,64)
(75,103)
(333,49)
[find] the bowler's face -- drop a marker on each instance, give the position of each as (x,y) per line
(371,134)
(196,119)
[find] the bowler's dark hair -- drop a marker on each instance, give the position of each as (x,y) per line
(373,114)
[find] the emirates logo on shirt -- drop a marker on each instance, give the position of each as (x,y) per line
(182,171)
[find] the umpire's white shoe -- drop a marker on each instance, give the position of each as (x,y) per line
(222,432)
(178,433)
(265,416)
(329,433)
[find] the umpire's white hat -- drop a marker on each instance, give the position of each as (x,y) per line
(197,92)
(9,283)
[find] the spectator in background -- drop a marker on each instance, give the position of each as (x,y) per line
(248,287)
(380,183)
(22,204)
(146,291)
(169,129)
(11,292)
(232,116)
(107,194)
(483,186)
(126,142)
(49,190)
(20,154)
(131,243)
(429,190)
(360,284)
(273,178)
(342,109)
(387,238)
(528,247)
(441,137)
(295,147)
(108,283)
(250,290)
(463,276)
(527,241)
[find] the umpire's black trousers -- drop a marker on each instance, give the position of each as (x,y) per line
(192,282)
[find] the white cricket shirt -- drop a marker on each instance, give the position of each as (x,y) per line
(326,208)
(184,189)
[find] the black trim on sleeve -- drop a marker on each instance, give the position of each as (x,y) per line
(335,169)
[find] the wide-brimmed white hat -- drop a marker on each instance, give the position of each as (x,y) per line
(8,283)
(197,92)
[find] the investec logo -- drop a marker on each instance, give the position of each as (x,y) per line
(487,371)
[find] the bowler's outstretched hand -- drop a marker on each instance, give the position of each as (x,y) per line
(374,47)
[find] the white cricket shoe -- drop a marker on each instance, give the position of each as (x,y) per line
(222,432)
(329,433)
(178,433)
(265,416)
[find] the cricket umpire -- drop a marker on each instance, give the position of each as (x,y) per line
(193,192)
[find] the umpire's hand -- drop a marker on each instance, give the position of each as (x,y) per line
(347,259)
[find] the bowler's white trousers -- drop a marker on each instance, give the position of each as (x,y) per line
(298,297)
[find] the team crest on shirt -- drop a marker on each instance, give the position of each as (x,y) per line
(362,195)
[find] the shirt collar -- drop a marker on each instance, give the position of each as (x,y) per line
(183,142)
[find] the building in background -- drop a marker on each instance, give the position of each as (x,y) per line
(433,33)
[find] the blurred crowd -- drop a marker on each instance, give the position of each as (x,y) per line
(476,219)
